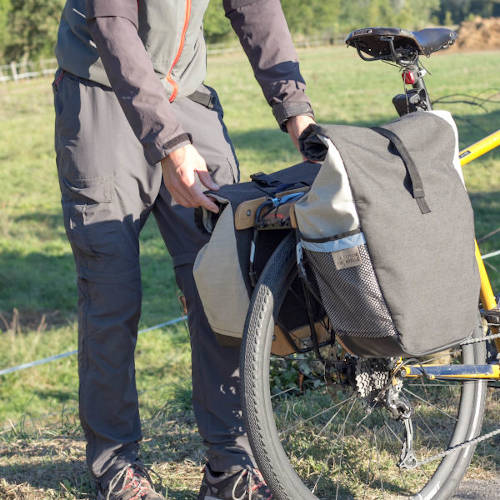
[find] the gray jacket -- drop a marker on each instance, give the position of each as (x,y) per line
(151,51)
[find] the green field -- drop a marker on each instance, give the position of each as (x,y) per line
(41,447)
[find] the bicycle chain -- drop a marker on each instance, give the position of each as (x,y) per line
(443,454)
(471,442)
(366,384)
(482,339)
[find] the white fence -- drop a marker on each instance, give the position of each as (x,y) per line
(30,69)
(27,69)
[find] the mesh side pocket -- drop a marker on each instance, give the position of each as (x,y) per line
(350,292)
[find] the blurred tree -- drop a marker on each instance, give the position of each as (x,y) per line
(217,27)
(28,28)
(4,32)
(32,26)
(303,18)
(409,14)
(462,9)
(311,17)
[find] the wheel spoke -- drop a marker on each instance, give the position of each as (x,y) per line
(430,404)
(392,431)
(284,392)
(377,450)
(342,449)
(330,420)
(322,412)
(456,384)
(427,427)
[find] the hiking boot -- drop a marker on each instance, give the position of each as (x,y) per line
(246,484)
(132,482)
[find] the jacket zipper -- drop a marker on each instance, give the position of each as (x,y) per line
(179,52)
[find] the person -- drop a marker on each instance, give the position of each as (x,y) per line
(132,109)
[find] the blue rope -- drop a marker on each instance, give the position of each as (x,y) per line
(70,353)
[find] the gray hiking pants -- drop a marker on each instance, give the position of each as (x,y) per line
(108,190)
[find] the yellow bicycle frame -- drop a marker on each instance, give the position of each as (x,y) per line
(480,148)
(466,372)
(467,155)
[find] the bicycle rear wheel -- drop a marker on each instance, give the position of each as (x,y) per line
(315,439)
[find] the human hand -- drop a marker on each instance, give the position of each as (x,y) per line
(180,169)
(296,125)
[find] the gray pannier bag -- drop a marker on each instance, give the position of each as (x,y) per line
(387,228)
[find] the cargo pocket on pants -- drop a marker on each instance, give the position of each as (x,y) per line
(86,206)
(87,190)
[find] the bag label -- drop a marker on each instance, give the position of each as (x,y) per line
(350,257)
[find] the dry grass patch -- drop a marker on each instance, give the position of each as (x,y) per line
(51,465)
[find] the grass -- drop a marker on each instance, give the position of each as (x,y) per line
(41,446)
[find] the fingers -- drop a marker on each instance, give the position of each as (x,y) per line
(204,201)
(188,194)
(177,196)
(179,175)
(192,197)
(206,179)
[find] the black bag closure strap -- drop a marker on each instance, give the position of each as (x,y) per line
(204,98)
(264,180)
(271,187)
(416,181)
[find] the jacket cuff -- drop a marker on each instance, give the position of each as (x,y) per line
(155,155)
(285,110)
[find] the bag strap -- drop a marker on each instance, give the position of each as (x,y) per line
(206,99)
(265,183)
(416,181)
(264,180)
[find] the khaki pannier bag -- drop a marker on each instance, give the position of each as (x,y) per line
(227,267)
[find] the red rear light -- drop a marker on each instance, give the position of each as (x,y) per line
(408,77)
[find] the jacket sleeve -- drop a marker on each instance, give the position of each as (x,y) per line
(113,27)
(263,32)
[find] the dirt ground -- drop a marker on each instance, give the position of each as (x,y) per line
(479,34)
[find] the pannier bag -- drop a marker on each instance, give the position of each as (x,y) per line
(387,228)
(227,267)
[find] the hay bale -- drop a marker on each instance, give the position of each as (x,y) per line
(479,34)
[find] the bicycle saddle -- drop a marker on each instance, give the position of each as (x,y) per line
(376,42)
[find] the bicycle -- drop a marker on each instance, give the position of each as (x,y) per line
(365,428)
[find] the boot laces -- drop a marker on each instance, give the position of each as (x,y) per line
(255,482)
(135,478)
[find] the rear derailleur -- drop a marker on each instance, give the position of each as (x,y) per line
(375,382)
